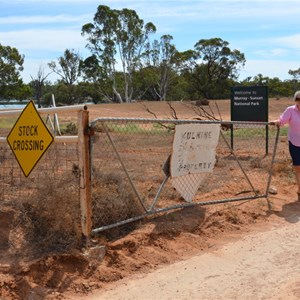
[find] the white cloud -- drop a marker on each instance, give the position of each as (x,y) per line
(30,2)
(214,10)
(45,19)
(269,68)
(269,47)
(43,39)
(274,52)
(291,41)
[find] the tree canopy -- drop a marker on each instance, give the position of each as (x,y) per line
(69,70)
(117,37)
(127,61)
(11,64)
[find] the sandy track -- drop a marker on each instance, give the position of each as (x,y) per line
(263,265)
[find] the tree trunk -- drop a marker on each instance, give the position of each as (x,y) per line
(117,94)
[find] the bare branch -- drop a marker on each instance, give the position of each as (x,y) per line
(168,127)
(149,111)
(201,112)
(218,111)
(173,111)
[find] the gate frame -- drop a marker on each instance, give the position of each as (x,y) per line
(178,206)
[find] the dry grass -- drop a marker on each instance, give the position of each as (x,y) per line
(113,199)
(50,219)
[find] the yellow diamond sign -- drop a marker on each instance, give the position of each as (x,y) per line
(29,138)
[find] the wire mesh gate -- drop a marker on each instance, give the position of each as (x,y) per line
(130,178)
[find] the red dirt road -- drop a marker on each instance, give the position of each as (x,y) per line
(261,265)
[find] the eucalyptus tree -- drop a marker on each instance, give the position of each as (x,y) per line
(93,73)
(295,74)
(295,79)
(117,38)
(11,64)
(214,65)
(69,70)
(38,83)
(161,57)
(279,88)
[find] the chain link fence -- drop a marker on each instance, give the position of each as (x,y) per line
(128,161)
(130,168)
(43,208)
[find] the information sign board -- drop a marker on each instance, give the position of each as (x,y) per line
(249,103)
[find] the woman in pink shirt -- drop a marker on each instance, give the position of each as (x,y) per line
(291,116)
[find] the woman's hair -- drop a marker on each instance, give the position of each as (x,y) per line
(297,95)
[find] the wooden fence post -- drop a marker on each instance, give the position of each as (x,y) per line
(85,174)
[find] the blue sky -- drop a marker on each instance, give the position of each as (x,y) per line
(266,31)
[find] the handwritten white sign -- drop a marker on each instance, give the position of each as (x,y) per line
(193,156)
(188,185)
(194,149)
